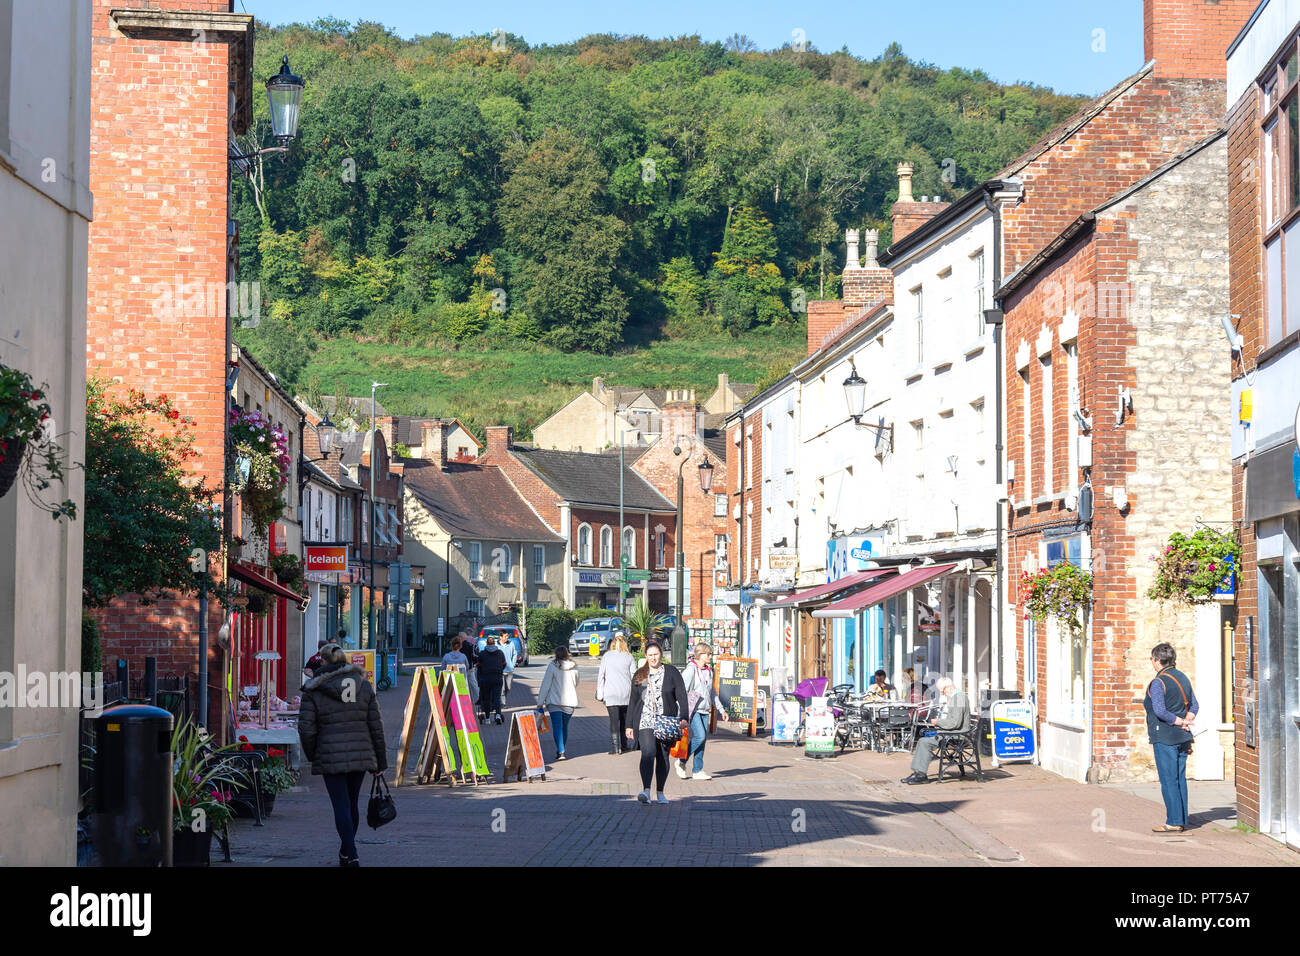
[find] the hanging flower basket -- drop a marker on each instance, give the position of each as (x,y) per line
(1195,569)
(13,457)
(1062,591)
(259,467)
(28,446)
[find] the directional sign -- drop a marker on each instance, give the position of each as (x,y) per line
(636,574)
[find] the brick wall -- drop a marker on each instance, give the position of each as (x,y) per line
(158,245)
(659,466)
(531,488)
(907,217)
(1246,297)
(1188,38)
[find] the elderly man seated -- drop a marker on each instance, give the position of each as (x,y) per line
(954,717)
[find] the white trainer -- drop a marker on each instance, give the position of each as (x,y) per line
(660,798)
(701,776)
(644,796)
(680,767)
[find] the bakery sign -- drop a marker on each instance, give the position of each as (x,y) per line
(324,558)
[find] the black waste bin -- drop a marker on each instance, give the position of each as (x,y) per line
(133,786)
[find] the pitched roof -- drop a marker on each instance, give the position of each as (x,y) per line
(410,431)
(591,479)
(626,394)
(475,501)
(356,406)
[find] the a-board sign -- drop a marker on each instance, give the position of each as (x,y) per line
(737,687)
(524,749)
(366,661)
(785,720)
(819,729)
(460,714)
(437,758)
(1013,730)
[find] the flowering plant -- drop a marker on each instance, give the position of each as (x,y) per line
(1062,590)
(1191,568)
(260,468)
(27,442)
(275,773)
(202,781)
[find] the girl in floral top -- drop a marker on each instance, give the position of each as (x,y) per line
(657,690)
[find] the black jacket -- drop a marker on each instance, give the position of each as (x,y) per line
(491,665)
(339,725)
(674,698)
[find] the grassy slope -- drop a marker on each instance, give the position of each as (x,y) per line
(522,387)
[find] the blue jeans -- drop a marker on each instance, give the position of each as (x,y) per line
(560,729)
(699,733)
(1171,765)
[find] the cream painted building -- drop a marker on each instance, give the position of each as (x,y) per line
(45,211)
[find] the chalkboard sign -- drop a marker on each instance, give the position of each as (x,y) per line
(737,679)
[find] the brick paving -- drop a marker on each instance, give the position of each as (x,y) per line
(766,805)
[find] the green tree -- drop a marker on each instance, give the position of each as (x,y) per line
(144,511)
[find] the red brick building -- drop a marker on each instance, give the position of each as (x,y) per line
(1264,207)
(704,514)
(1116,267)
(577,495)
(162,247)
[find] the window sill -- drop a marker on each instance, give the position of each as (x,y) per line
(1079,725)
(1049,498)
(975,349)
(942,367)
(914,374)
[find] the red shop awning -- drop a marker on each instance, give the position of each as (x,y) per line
(883,591)
(825,590)
(255,578)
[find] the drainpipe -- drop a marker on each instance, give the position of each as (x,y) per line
(995,676)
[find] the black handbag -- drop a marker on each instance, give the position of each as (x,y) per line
(381,808)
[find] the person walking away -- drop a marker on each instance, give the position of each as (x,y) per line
(702,700)
(657,691)
(1171,708)
(470,649)
(512,660)
(559,695)
(614,690)
(491,674)
(342,734)
(455,657)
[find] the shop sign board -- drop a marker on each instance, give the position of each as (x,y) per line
(1013,730)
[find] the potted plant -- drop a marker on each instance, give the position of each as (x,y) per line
(259,467)
(276,778)
(27,444)
(287,568)
(1062,590)
(202,785)
(1192,568)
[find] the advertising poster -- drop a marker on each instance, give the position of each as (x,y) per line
(460,710)
(819,729)
(785,721)
(1013,730)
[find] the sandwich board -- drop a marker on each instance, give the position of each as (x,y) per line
(523,749)
(460,713)
(437,758)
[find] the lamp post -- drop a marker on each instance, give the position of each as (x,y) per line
(284,97)
(855,393)
(374,523)
(706,482)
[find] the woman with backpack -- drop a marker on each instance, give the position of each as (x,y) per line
(657,712)
(559,694)
(702,701)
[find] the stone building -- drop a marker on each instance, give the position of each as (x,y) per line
(1264,414)
(45,209)
(163,247)
(1116,280)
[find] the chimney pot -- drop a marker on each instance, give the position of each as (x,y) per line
(851,258)
(872,242)
(905,182)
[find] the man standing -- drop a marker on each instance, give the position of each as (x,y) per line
(1171,710)
(954,717)
(491,670)
(512,658)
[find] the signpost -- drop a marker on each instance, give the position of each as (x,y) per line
(523,749)
(1013,731)
(736,685)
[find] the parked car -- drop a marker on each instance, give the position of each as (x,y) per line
(601,628)
(505,632)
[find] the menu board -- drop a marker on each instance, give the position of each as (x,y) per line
(737,679)
(524,749)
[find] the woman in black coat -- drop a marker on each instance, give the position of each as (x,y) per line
(657,690)
(342,735)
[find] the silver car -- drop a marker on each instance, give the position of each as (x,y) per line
(601,628)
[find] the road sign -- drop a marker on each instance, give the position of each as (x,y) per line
(625,560)
(637,574)
(443,589)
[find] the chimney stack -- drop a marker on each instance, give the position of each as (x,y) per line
(908,215)
(500,439)
(433,436)
(851,258)
(680,415)
(862,284)
(1186,38)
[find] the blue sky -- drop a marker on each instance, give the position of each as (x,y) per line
(1070,48)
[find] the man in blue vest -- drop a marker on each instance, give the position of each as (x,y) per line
(1171,709)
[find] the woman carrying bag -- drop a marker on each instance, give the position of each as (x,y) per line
(703,701)
(658,713)
(342,735)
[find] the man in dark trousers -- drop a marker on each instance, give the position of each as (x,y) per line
(491,675)
(954,716)
(1171,709)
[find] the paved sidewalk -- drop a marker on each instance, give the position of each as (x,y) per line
(765,805)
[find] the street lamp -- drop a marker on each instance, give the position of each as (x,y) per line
(374,522)
(705,472)
(283,96)
(855,393)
